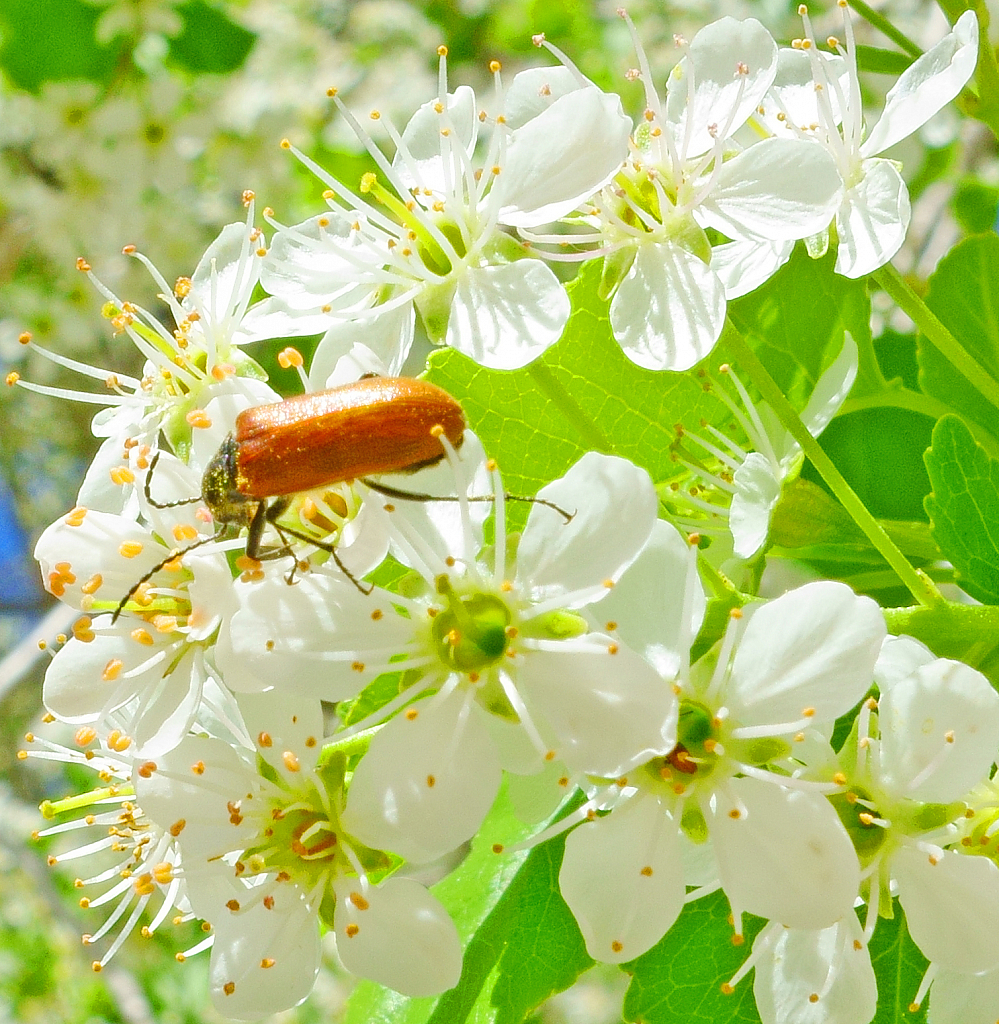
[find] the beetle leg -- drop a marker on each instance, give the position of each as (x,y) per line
(395,492)
(364,588)
(263,515)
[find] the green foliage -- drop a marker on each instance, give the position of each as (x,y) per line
(32,51)
(795,323)
(962,293)
(582,393)
(680,978)
(899,967)
(209,42)
(976,205)
(56,40)
(964,507)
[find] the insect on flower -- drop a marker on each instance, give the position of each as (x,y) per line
(370,426)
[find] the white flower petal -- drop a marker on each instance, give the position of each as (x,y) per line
(815,977)
(98,491)
(700,866)
(812,648)
(534,90)
(622,879)
(779,189)
(939,732)
(76,689)
(269,957)
(613,504)
(404,938)
(832,388)
(441,525)
(744,265)
(505,315)
(607,712)
(794,86)
(951,907)
(873,219)
(282,724)
(647,603)
(102,549)
(388,337)
(273,317)
(225,273)
(757,491)
(927,85)
(669,310)
(312,264)
(319,636)
(193,783)
(722,98)
(426,782)
(167,706)
(899,658)
(562,156)
(959,998)
(428,160)
(786,856)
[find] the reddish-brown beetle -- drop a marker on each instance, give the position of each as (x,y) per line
(375,425)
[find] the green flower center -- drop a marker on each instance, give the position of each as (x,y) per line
(472,632)
(857,813)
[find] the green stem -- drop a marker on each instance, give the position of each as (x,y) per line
(918,584)
(935,332)
(880,22)
(591,434)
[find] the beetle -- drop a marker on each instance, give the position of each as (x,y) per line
(369,426)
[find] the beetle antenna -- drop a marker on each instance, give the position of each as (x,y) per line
(394,492)
(364,588)
(166,504)
(176,553)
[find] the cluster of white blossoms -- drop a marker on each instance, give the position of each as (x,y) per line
(278,741)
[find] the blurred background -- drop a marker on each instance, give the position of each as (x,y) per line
(141,122)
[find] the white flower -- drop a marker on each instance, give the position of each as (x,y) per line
(134,861)
(265,859)
(911,791)
(782,853)
(501,640)
(685,174)
(752,481)
(141,676)
(184,366)
(436,244)
(813,977)
(958,998)
(874,215)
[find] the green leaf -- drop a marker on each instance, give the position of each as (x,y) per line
(680,978)
(975,205)
(964,507)
(795,323)
(521,941)
(209,42)
(582,394)
(963,294)
(965,632)
(874,445)
(899,967)
(881,61)
(52,41)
